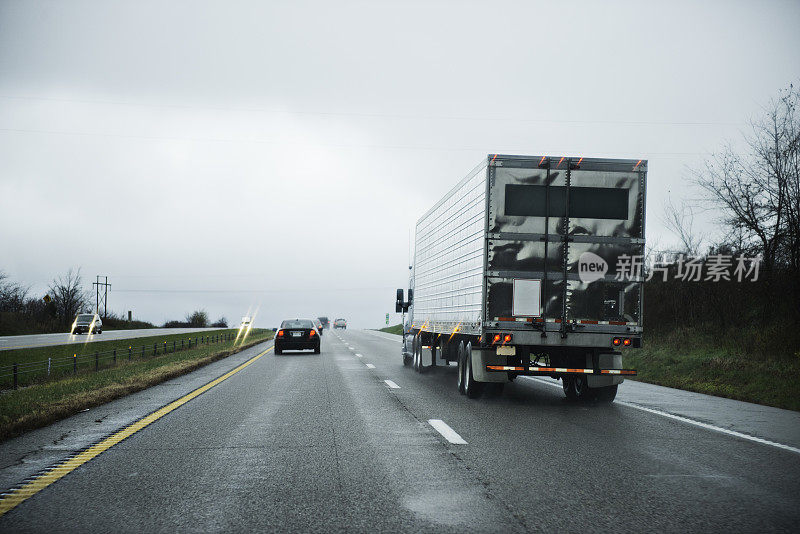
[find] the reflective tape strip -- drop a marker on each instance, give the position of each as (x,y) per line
(618,371)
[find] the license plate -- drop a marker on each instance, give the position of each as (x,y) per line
(506,351)
(297,334)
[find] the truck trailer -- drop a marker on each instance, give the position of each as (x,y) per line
(531,265)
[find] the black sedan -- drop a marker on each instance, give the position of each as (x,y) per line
(297,334)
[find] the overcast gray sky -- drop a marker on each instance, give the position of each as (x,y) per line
(234,155)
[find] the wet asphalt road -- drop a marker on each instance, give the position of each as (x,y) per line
(47,340)
(320,443)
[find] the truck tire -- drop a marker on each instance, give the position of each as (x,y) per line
(604,394)
(575,387)
(461,367)
(472,389)
(406,358)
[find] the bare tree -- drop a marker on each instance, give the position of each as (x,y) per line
(198,319)
(13,296)
(758,193)
(680,221)
(68,295)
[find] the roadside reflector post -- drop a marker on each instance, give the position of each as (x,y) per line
(173,345)
(48,366)
(115,356)
(130,349)
(165,347)
(155,349)
(142,351)
(181,344)
(15,376)
(74,363)
(96,361)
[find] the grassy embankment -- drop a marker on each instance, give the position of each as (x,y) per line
(47,401)
(690,360)
(396,329)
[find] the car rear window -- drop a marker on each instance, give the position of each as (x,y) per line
(85,317)
(298,323)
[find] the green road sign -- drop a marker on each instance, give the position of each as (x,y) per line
(387,318)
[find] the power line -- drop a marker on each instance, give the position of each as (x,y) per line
(374,115)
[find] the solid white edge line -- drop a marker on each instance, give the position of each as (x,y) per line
(448,433)
(668,415)
(370,366)
(391,384)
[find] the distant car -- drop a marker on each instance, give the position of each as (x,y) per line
(324,321)
(318,325)
(340,323)
(87,322)
(297,334)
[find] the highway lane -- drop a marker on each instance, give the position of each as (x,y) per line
(323,443)
(47,340)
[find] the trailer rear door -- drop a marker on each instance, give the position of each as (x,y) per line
(570,233)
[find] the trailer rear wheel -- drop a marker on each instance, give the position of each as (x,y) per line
(604,394)
(461,367)
(575,387)
(418,367)
(472,389)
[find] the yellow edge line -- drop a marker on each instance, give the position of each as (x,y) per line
(37,484)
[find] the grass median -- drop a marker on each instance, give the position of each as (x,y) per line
(687,359)
(396,329)
(47,401)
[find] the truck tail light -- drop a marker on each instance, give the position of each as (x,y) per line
(626,342)
(616,341)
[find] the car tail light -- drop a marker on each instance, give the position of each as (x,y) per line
(311,333)
(616,341)
(497,338)
(280,333)
(626,342)
(508,338)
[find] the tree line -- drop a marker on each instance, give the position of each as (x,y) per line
(21,312)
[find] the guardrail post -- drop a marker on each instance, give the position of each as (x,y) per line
(15,376)
(74,363)
(96,361)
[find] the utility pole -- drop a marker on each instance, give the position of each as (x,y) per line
(97,295)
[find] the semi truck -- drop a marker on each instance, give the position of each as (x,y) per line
(531,266)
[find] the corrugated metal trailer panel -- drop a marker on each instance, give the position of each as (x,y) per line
(449,259)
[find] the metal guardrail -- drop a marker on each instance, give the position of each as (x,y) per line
(26,373)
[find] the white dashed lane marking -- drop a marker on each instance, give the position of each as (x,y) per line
(370,366)
(391,384)
(448,433)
